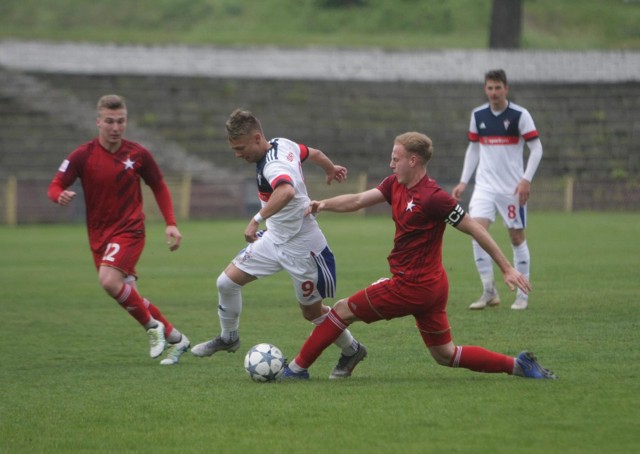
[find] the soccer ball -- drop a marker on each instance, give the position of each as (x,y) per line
(264,362)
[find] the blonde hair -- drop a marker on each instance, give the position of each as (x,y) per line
(111,102)
(416,143)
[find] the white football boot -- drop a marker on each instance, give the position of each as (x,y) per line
(520,304)
(208,348)
(175,351)
(487,299)
(156,340)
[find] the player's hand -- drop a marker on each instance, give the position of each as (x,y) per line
(457,191)
(173,237)
(523,189)
(514,278)
(66,197)
(314,207)
(251,231)
(338,173)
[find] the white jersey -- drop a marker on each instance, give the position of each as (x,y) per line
(283,165)
(499,140)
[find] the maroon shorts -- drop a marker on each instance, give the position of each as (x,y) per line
(392,298)
(122,252)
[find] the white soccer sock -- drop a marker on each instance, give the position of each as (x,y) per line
(229,307)
(522,262)
(294,367)
(345,341)
(484,265)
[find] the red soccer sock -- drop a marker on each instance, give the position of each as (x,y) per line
(155,312)
(133,303)
(479,359)
(321,337)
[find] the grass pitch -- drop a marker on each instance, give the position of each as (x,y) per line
(76,376)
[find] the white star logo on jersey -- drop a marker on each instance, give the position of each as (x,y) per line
(410,205)
(128,164)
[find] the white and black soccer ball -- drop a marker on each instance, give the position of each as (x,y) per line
(264,362)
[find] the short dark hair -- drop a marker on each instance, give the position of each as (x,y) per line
(497,75)
(240,123)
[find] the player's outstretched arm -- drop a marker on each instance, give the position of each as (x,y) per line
(332,171)
(511,276)
(347,202)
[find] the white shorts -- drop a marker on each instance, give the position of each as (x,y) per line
(313,276)
(484,204)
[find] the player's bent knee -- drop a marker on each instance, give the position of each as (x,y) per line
(343,310)
(443,354)
(442,361)
(111,284)
(315,313)
(226,285)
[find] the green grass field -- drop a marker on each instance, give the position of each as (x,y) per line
(76,376)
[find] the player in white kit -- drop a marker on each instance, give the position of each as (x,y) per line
(497,134)
(291,242)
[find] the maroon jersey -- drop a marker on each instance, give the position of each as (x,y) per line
(111,185)
(421,214)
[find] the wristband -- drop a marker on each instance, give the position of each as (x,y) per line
(258,218)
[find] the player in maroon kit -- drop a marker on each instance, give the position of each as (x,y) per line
(110,168)
(418,286)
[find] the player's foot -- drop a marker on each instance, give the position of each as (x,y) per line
(215,345)
(346,364)
(531,368)
(288,374)
(175,351)
(487,299)
(156,340)
(519,304)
